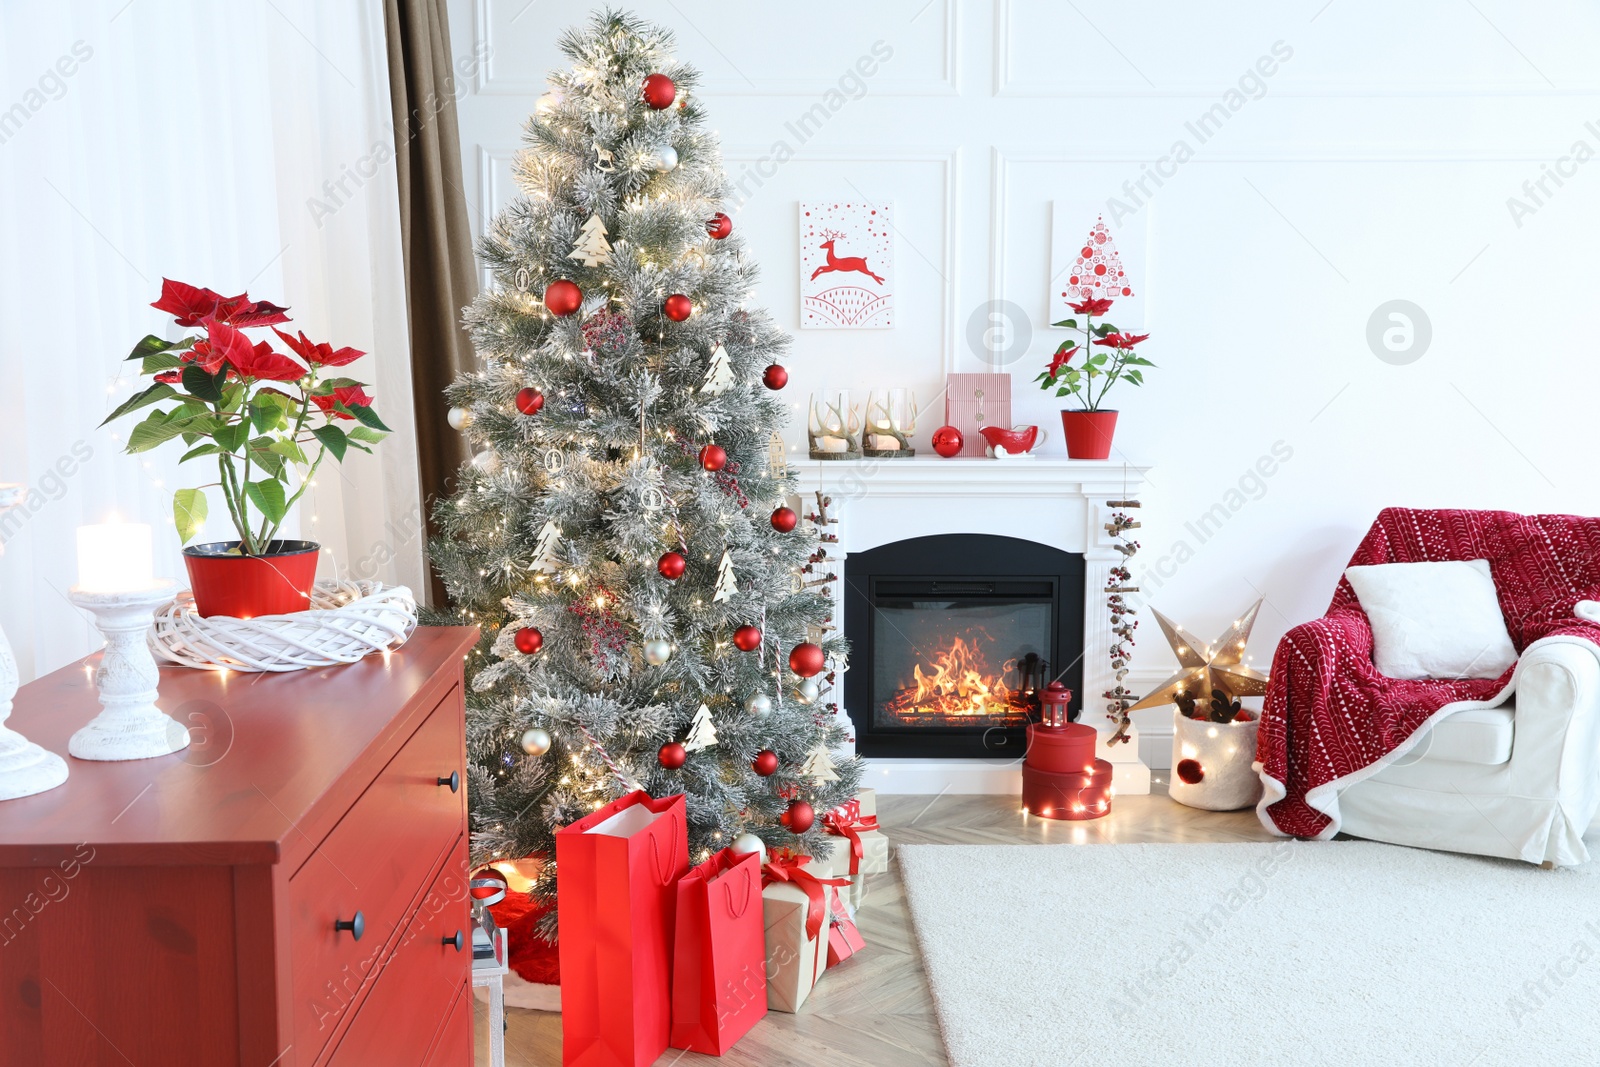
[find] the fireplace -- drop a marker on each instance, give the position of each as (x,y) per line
(952,637)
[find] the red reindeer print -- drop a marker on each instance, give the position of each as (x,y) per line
(847,264)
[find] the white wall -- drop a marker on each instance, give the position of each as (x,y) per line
(1374,164)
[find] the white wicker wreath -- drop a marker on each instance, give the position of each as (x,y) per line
(346,621)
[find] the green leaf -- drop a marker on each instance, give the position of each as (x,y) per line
(153,345)
(1104,329)
(368,417)
(156,428)
(290,451)
(269,461)
(188,512)
(232,437)
(1071,324)
(158,363)
(267,495)
(371,436)
(153,395)
(268,411)
(205,386)
(196,453)
(1135,377)
(333,439)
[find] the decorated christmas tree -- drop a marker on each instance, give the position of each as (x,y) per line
(615,535)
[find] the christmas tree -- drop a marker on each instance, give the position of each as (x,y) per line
(619,549)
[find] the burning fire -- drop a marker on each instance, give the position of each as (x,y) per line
(958,683)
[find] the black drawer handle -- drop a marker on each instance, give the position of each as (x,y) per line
(457,942)
(356,926)
(454,781)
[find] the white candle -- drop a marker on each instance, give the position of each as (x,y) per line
(833,444)
(115,557)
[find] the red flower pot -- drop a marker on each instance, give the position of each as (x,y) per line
(245,587)
(1088,433)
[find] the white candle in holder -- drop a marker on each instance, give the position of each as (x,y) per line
(115,557)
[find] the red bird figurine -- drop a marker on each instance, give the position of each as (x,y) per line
(1017,442)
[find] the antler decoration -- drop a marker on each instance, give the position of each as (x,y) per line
(831,432)
(881,422)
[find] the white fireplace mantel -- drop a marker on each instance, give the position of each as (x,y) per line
(1059,502)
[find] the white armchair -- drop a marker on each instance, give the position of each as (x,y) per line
(1521,780)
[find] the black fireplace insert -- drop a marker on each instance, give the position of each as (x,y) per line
(951,638)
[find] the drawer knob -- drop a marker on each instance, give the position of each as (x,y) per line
(457,942)
(357,926)
(454,781)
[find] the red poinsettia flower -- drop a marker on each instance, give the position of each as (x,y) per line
(225,344)
(206,355)
(1122,340)
(1092,306)
(1063,356)
(320,354)
(350,396)
(170,377)
(193,305)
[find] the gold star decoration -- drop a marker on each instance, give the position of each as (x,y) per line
(1204,667)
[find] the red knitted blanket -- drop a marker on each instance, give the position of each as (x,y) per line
(1331,719)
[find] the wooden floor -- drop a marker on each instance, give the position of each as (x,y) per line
(874,1010)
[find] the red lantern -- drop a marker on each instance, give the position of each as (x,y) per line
(528,640)
(529,400)
(1054,701)
(806,660)
(799,818)
(677,307)
(775,377)
(747,638)
(719,226)
(784,520)
(713,457)
(947,441)
(766,763)
(671,565)
(563,297)
(659,91)
(672,755)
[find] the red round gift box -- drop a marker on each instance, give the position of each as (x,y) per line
(1061,778)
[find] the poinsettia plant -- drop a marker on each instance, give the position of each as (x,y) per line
(1078,371)
(265,418)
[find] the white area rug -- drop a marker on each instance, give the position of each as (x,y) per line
(1342,952)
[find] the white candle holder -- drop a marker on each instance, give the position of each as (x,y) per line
(25,768)
(129,725)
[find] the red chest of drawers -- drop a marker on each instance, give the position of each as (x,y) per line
(287,892)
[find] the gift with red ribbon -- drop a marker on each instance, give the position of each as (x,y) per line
(719,973)
(617,906)
(844,938)
(796,911)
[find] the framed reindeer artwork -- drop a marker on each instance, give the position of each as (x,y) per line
(846,265)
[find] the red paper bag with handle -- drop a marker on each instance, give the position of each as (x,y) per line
(719,959)
(619,869)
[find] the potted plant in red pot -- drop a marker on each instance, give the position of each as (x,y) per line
(266,419)
(1089,428)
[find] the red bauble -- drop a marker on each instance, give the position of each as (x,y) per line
(719,226)
(799,818)
(947,441)
(671,565)
(529,400)
(747,638)
(672,755)
(784,520)
(765,763)
(806,660)
(563,297)
(713,457)
(677,307)
(775,377)
(528,640)
(659,92)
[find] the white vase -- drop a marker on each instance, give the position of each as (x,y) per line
(1211,763)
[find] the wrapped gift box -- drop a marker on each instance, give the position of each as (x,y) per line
(844,938)
(795,903)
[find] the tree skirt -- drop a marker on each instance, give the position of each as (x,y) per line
(1342,952)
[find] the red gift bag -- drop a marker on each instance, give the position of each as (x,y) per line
(618,894)
(719,961)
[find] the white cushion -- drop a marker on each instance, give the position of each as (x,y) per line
(1434,620)
(1476,735)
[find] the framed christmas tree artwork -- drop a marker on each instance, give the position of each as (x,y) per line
(1096,258)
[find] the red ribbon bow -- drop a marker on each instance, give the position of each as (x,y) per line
(842,822)
(792,870)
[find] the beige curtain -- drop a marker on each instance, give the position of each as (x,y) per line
(440,275)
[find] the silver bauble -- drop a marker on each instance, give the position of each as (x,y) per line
(536,742)
(459,418)
(665,158)
(487,461)
(657,652)
(808,691)
(750,843)
(760,704)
